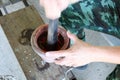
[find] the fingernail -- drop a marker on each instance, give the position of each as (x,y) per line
(49,61)
(68,31)
(47,54)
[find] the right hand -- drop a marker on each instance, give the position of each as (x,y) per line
(53,8)
(79,54)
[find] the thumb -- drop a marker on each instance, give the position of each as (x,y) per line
(72,36)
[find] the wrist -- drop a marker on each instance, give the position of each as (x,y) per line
(98,54)
(101,54)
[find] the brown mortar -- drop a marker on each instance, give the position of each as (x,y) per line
(39,40)
(42,42)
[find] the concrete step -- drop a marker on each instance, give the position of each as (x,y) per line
(12,7)
(9,66)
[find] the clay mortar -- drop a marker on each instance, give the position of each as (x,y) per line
(39,40)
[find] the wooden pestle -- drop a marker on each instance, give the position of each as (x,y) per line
(52,31)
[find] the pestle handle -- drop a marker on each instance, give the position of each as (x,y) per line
(52,31)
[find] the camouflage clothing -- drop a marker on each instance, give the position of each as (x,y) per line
(98,15)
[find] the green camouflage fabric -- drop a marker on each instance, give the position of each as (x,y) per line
(98,15)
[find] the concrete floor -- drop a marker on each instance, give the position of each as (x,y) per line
(9,66)
(94,71)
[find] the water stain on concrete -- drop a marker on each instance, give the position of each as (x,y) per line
(25,36)
(41,67)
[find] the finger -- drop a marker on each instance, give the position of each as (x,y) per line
(72,36)
(49,60)
(60,62)
(64,62)
(56,54)
(51,9)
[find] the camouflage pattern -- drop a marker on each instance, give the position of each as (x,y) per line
(98,15)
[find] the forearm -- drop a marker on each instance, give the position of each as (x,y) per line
(107,54)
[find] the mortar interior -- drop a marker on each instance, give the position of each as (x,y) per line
(42,42)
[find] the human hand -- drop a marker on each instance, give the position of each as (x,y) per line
(79,54)
(53,8)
